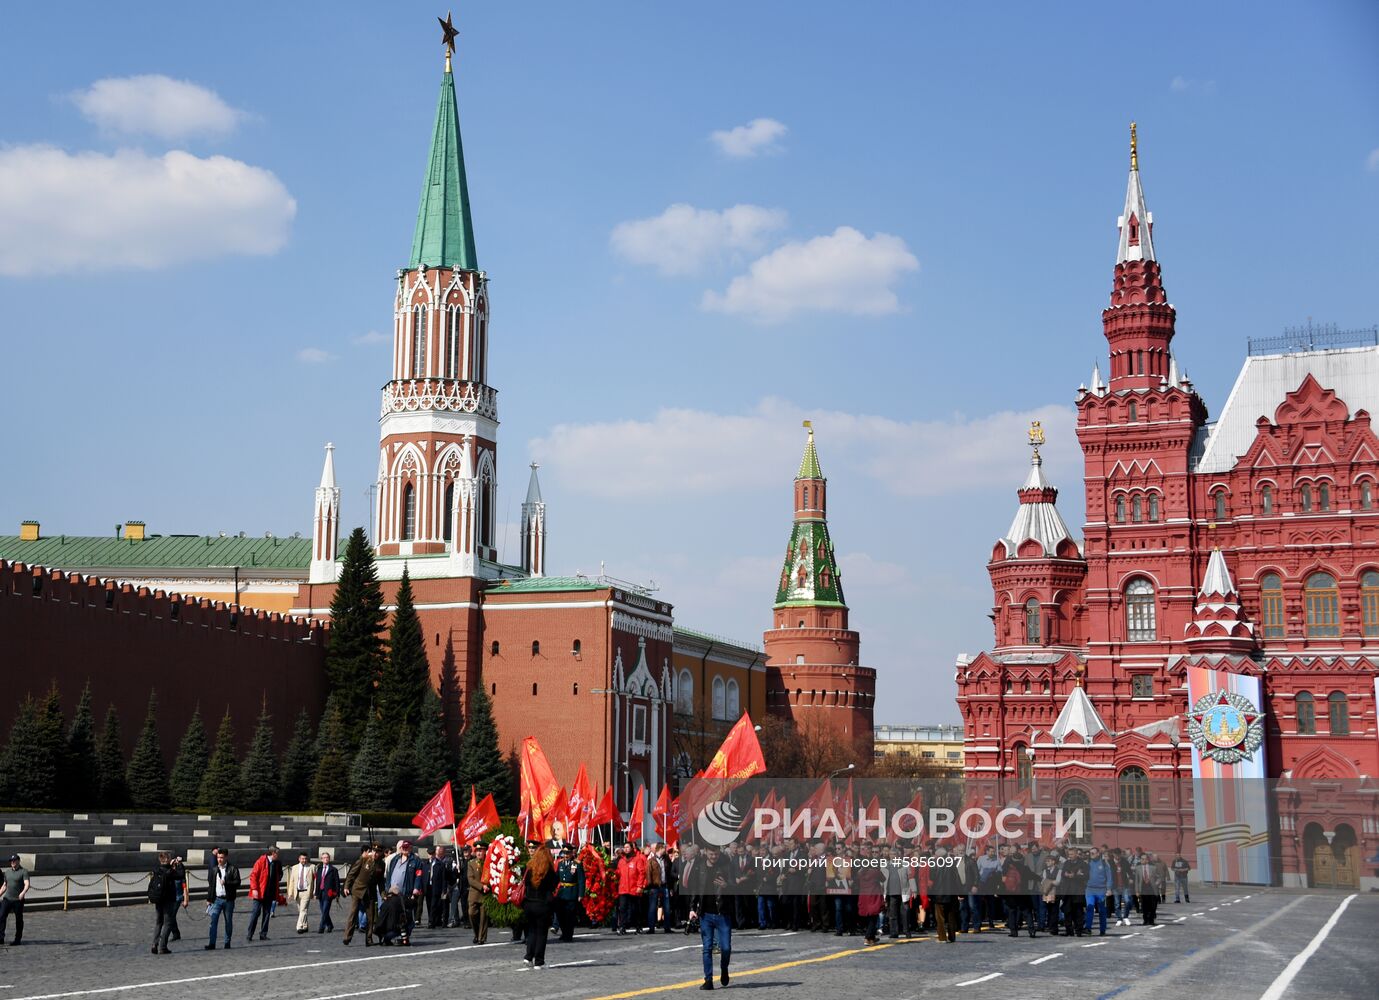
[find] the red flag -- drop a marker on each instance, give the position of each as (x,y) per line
(607,812)
(540,791)
(747,820)
(849,816)
(439,812)
(739,758)
(662,813)
(634,821)
(582,803)
(917,804)
(481,818)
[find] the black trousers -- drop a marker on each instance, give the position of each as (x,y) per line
(167,919)
(946,916)
(567,911)
(1074,913)
(1149,906)
(437,909)
(538,929)
(15,906)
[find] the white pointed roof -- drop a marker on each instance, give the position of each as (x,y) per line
(1134,206)
(1037,518)
(1217,582)
(1078,716)
(533,487)
(328,470)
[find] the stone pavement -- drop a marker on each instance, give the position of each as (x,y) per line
(1230,943)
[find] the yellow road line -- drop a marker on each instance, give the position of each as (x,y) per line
(690,984)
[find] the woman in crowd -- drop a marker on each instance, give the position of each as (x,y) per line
(538,889)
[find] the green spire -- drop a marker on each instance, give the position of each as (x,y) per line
(445,232)
(809,464)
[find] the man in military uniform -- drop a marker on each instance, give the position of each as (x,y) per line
(361,882)
(569,892)
(478,915)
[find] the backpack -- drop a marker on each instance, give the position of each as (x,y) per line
(1012,880)
(155,885)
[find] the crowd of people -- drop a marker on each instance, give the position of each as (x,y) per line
(866,889)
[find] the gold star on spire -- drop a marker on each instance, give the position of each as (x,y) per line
(448,34)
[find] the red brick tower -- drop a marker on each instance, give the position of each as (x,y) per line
(813,677)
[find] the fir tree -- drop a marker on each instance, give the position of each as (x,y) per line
(220,788)
(402,774)
(354,658)
(193,757)
(481,763)
(434,765)
(259,775)
(114,794)
(147,776)
(371,786)
(330,785)
(406,674)
(28,767)
(299,764)
(81,779)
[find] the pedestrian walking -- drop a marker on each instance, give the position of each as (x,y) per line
(569,892)
(407,874)
(631,872)
(222,886)
(301,883)
(710,903)
(263,892)
(361,881)
(1099,885)
(326,887)
(163,893)
(539,883)
(478,913)
(1180,873)
(946,883)
(440,882)
(1145,884)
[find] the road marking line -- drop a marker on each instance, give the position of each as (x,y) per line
(1047,958)
(984,979)
(1096,944)
(682,948)
(1157,927)
(1134,934)
(696,983)
(565,965)
(1286,977)
(1214,908)
(1180,920)
(366,993)
(1199,914)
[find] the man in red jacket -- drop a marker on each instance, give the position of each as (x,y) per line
(263,891)
(631,872)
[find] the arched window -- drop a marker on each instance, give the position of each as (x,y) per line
(536,647)
(486,513)
(684,693)
(448,527)
(734,705)
(1139,611)
(1032,622)
(1338,709)
(1266,499)
(1305,707)
(1136,509)
(1075,811)
(1322,603)
(1218,505)
(452,343)
(1024,767)
(1323,496)
(418,342)
(409,513)
(1271,605)
(1153,506)
(720,699)
(1134,795)
(806,498)
(1305,496)
(533,689)
(1369,602)
(1025,687)
(825,578)
(1120,510)
(1134,411)
(493,649)
(1366,495)
(575,648)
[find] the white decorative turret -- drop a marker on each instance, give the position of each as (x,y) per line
(534,528)
(1078,716)
(1136,224)
(325,525)
(1037,518)
(1218,624)
(464,517)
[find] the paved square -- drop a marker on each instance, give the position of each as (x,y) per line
(1233,944)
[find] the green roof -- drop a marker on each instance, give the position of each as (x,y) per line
(809,464)
(88,554)
(810,575)
(445,232)
(546,584)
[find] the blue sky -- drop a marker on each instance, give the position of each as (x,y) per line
(911,247)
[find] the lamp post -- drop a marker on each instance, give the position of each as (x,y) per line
(1177,799)
(841,770)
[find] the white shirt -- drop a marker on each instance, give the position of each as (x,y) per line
(220,882)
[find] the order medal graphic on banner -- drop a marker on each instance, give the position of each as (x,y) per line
(1225,727)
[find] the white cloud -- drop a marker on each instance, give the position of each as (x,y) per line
(60,210)
(156,105)
(314,356)
(683,452)
(1372,161)
(760,135)
(372,338)
(1183,85)
(683,239)
(846,272)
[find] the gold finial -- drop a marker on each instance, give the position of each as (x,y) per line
(1036,435)
(809,426)
(1134,154)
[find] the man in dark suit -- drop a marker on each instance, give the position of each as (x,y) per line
(327,888)
(440,880)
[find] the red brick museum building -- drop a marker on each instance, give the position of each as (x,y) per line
(1234,559)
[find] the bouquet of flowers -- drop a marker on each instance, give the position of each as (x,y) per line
(600,885)
(501,872)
